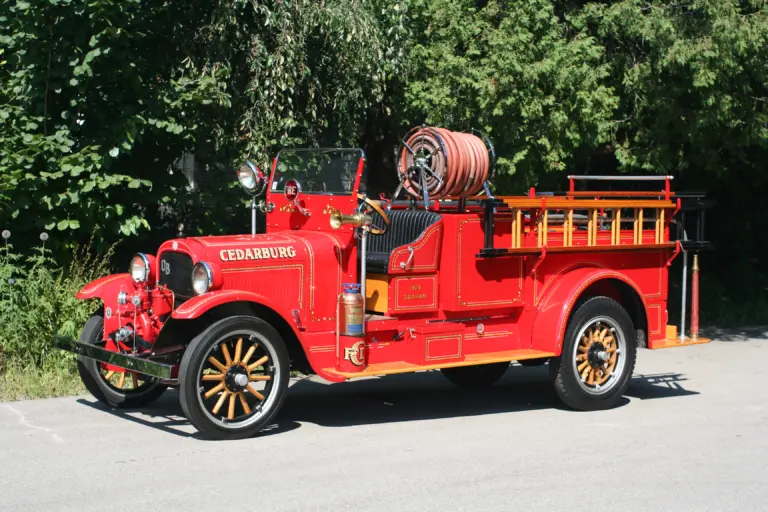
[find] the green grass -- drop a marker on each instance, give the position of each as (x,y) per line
(18,383)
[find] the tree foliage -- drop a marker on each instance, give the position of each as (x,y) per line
(515,71)
(691,80)
(100,98)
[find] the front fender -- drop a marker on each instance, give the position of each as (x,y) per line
(106,287)
(552,316)
(197,306)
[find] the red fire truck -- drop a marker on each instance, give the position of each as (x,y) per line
(448,277)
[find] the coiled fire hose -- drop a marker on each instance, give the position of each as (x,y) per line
(443,162)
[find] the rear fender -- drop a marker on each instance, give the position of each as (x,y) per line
(552,316)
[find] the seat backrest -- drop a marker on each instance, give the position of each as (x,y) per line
(404,228)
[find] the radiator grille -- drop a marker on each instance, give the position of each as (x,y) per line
(175,272)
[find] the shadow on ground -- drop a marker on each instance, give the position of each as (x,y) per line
(396,398)
(743,334)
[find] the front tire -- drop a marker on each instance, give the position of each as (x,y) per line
(233,377)
(477,376)
(117,389)
(598,356)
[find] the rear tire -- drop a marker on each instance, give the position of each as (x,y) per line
(222,372)
(598,356)
(477,376)
(102,386)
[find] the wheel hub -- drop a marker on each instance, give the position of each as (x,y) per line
(236,378)
(597,355)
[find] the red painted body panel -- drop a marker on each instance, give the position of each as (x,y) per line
(446,306)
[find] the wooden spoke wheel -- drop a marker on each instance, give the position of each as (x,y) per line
(233,377)
(598,354)
(598,357)
(237,377)
(115,388)
(125,381)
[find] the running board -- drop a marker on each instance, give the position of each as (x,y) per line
(134,363)
(673,340)
(470,360)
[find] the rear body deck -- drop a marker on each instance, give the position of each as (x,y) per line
(495,280)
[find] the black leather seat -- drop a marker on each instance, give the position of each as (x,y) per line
(405,227)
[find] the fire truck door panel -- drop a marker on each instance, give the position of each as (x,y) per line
(481,283)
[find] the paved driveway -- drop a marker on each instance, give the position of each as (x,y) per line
(691,435)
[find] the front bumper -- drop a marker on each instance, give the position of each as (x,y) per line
(134,363)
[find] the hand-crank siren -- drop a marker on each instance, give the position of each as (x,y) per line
(436,163)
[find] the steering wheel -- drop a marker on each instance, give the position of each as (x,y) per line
(375,206)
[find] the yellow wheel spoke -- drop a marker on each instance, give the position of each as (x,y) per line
(218,405)
(585,372)
(214,390)
(244,403)
(583,365)
(121,381)
(603,333)
(238,351)
(231,412)
(225,351)
(215,362)
(109,375)
(249,353)
(254,392)
(213,376)
(611,350)
(258,363)
(259,377)
(135,380)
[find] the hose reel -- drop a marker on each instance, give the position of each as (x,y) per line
(435,163)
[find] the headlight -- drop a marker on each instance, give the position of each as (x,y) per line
(139,269)
(202,278)
(251,178)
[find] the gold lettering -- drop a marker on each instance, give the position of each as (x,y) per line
(415,287)
(261,253)
(414,296)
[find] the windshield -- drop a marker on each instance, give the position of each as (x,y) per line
(318,171)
